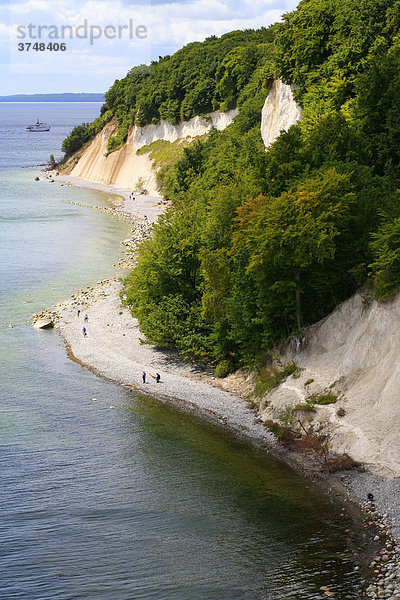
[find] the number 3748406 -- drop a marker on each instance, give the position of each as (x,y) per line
(42,47)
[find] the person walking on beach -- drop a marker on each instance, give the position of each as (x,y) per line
(144,376)
(79,312)
(158,377)
(84,331)
(86,318)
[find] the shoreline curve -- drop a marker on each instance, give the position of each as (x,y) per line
(113,350)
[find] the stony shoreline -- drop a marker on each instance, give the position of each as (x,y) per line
(113,349)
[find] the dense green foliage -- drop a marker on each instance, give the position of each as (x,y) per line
(386,246)
(81,134)
(257,244)
(198,79)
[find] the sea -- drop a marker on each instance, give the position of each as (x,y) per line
(108,494)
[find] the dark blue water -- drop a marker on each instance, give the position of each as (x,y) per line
(107,494)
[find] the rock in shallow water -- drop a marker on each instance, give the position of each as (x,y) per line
(43,324)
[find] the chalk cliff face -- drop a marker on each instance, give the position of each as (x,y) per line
(354,352)
(124,168)
(279,112)
(193,128)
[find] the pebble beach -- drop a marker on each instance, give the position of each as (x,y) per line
(113,348)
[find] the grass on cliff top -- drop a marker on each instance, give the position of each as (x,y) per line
(163,152)
(165,156)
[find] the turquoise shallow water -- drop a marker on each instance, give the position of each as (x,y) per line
(112,495)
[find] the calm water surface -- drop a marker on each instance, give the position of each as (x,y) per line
(112,495)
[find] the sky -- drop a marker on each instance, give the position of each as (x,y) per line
(103,39)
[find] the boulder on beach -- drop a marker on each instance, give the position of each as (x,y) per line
(43,324)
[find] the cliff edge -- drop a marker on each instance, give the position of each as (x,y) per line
(127,169)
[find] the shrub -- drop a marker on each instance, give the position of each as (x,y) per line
(316,399)
(340,462)
(307,406)
(223,369)
(140,186)
(286,416)
(311,444)
(270,377)
(291,369)
(322,399)
(284,435)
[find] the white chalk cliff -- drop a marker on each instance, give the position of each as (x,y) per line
(354,352)
(279,112)
(142,136)
(124,167)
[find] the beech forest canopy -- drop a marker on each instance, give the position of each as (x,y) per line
(259,243)
(199,78)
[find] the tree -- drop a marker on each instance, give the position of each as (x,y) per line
(386,266)
(77,138)
(295,230)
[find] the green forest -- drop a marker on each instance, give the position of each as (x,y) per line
(199,78)
(258,244)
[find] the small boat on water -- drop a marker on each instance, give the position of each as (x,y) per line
(38,126)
